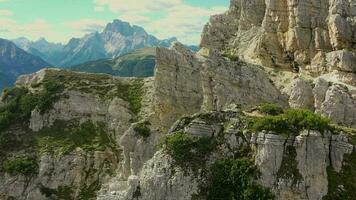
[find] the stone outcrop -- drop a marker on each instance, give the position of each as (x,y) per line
(300,35)
(76,172)
(293,167)
(186,83)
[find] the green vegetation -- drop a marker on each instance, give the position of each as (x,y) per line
(292,121)
(143,130)
(88,192)
(64,137)
(187,150)
(351,132)
(132,93)
(134,96)
(61,193)
(342,186)
(270,109)
(103,85)
(19,103)
(232,179)
(289,167)
(139,63)
(20,164)
(231,56)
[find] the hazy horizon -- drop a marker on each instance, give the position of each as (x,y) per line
(59,21)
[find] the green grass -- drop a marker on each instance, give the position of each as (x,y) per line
(232,179)
(292,121)
(88,192)
(189,151)
(231,57)
(64,138)
(139,63)
(20,102)
(132,93)
(289,168)
(61,193)
(270,109)
(20,164)
(342,186)
(143,130)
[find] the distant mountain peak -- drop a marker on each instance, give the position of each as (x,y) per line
(15,61)
(118,38)
(122,27)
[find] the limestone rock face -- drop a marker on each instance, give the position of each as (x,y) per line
(177,85)
(76,170)
(299,54)
(287,34)
(186,83)
(137,150)
(293,167)
(301,94)
(225,83)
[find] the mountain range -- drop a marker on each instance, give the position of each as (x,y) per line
(117,38)
(121,49)
(139,63)
(15,61)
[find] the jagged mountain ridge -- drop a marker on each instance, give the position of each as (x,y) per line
(118,38)
(202,104)
(15,61)
(139,63)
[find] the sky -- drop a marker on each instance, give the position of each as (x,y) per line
(60,20)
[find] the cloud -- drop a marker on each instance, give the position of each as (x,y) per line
(5,13)
(84,26)
(175,18)
(60,32)
(34,29)
(185,22)
(134,6)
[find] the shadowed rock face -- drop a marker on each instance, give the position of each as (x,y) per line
(15,61)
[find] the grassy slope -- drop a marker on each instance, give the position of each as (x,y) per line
(139,63)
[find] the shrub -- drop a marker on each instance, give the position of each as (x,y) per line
(270,109)
(231,56)
(292,121)
(289,167)
(20,165)
(132,94)
(342,185)
(20,102)
(233,179)
(62,192)
(143,129)
(64,137)
(134,97)
(305,119)
(187,150)
(277,124)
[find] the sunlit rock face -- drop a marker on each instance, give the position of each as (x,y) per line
(298,54)
(307,34)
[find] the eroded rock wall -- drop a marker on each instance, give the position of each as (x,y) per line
(308,35)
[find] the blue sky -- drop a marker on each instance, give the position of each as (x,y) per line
(59,20)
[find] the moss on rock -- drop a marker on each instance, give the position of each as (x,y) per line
(21,164)
(289,167)
(65,137)
(342,186)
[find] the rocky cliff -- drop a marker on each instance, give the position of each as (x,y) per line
(257,113)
